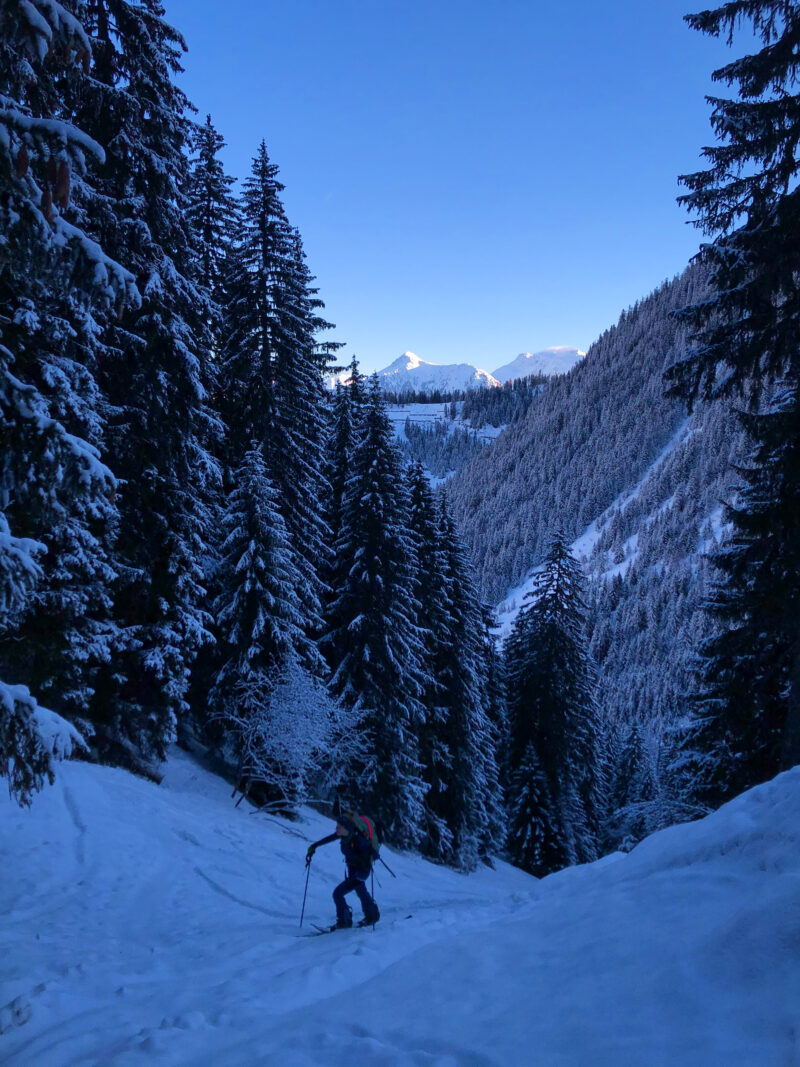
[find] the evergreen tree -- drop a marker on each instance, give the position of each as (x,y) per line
(272,369)
(211,209)
(213,218)
(472,803)
(553,712)
(299,371)
(749,202)
(260,618)
(54,491)
(534,838)
(155,377)
(373,642)
(435,754)
(346,418)
(743,726)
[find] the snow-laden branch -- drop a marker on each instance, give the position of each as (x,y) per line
(32,739)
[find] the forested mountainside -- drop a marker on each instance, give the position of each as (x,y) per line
(588,437)
(603,448)
(646,621)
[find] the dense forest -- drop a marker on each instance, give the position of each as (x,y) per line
(200,543)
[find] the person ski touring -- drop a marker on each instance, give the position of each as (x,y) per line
(358,841)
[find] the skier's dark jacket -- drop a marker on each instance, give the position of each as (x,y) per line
(356,846)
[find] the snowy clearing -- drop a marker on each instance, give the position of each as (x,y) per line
(159,925)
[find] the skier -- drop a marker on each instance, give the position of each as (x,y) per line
(357,849)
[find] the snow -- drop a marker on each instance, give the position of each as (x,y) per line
(410,373)
(58,737)
(158,925)
(423,414)
(556,360)
(428,414)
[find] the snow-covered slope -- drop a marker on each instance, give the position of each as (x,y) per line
(158,925)
(410,373)
(556,360)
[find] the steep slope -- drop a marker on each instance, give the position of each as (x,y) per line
(638,486)
(158,925)
(588,437)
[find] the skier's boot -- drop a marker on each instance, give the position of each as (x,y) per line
(371,916)
(343,921)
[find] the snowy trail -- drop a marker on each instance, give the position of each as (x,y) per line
(161,927)
(168,907)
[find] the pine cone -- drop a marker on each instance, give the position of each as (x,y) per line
(47,205)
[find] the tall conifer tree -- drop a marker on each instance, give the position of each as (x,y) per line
(748,201)
(54,491)
(211,208)
(435,754)
(271,374)
(472,803)
(260,618)
(156,376)
(373,643)
(553,719)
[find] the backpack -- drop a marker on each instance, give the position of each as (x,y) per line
(371,829)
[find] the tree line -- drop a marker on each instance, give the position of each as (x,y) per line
(195,536)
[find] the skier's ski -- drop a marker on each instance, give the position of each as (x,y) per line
(320,930)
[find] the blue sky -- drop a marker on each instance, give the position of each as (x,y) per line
(471,179)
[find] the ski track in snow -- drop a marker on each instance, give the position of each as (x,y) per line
(159,925)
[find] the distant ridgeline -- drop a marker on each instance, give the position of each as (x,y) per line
(602,448)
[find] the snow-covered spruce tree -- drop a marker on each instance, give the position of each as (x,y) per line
(435,756)
(53,487)
(155,377)
(748,201)
(472,802)
(301,425)
(262,638)
(534,834)
(346,410)
(271,380)
(373,642)
(212,216)
(553,710)
(211,209)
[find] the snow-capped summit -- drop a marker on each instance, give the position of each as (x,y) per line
(556,360)
(409,372)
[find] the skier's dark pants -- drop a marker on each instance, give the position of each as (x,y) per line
(358,881)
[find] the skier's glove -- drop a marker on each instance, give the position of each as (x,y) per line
(311,850)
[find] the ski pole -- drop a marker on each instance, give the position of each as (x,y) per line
(372,892)
(308,875)
(386,865)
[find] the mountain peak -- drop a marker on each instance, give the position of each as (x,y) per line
(555,360)
(410,373)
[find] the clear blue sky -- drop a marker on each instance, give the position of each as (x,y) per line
(471,179)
